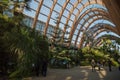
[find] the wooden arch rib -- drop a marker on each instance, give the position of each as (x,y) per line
(47,23)
(102,13)
(71,11)
(91,16)
(87,12)
(37,14)
(69,15)
(114,10)
(85,5)
(81,41)
(95,40)
(106,27)
(98,32)
(59,17)
(98,41)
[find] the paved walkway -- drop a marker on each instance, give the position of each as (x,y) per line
(80,73)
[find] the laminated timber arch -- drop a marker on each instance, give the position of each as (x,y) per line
(98,41)
(96,34)
(99,10)
(81,41)
(101,29)
(80,10)
(105,27)
(37,14)
(47,23)
(113,7)
(61,13)
(70,13)
(85,5)
(100,13)
(62,10)
(102,17)
(60,16)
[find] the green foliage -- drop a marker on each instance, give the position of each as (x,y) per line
(25,45)
(30,47)
(85,63)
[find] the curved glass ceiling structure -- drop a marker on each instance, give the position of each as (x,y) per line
(74,18)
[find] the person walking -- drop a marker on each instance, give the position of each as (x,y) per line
(99,64)
(119,64)
(44,67)
(93,64)
(110,64)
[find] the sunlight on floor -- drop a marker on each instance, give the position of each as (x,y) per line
(102,73)
(68,78)
(86,73)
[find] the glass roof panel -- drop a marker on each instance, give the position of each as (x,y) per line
(73,1)
(70,23)
(84,1)
(72,17)
(75,11)
(63,20)
(48,3)
(61,2)
(79,5)
(101,21)
(76,32)
(42,18)
(57,8)
(93,6)
(52,22)
(66,13)
(54,15)
(69,6)
(45,10)
(61,26)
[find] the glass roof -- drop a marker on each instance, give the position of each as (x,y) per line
(77,15)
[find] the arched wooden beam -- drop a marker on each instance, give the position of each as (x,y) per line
(104,17)
(112,37)
(98,32)
(105,27)
(69,15)
(89,11)
(114,11)
(48,20)
(82,27)
(37,14)
(86,29)
(85,5)
(100,10)
(60,16)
